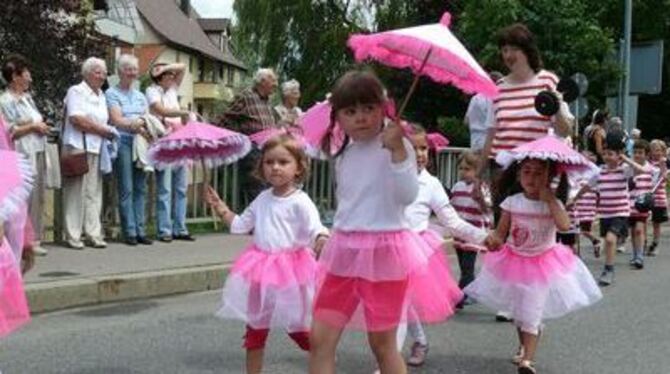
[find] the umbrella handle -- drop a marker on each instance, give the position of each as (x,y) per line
(412,88)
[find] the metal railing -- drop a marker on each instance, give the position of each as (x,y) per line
(319,186)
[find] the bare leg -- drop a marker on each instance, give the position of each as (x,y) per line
(610,248)
(529,345)
(383,345)
(255,361)
(323,342)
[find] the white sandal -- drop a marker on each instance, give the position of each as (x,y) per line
(526,367)
(518,357)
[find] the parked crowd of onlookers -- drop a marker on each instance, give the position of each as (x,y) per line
(109,131)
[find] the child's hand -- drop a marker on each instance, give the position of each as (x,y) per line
(215,202)
(212,197)
(320,243)
(392,137)
(569,203)
(493,242)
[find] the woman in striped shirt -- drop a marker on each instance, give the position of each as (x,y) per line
(659,213)
(516,120)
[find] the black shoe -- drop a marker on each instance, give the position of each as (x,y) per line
(503,317)
(144,240)
(132,241)
(184,237)
(165,239)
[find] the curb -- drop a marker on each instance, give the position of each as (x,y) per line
(70,293)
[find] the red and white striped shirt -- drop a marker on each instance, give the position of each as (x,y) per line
(660,195)
(643,183)
(613,191)
(585,207)
(466,206)
(516,120)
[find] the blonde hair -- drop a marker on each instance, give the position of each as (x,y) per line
(293,146)
(660,144)
(469,158)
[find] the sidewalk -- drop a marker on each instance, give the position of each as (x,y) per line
(68,278)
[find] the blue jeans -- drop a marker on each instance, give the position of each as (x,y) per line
(171,210)
(132,190)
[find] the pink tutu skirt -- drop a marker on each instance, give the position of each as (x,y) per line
(534,288)
(14,311)
(271,289)
(370,280)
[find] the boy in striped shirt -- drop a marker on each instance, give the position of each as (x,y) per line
(659,213)
(642,183)
(613,204)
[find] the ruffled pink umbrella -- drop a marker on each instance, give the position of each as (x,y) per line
(430,50)
(213,146)
(316,120)
(261,137)
(16,182)
(437,141)
(551,148)
(314,123)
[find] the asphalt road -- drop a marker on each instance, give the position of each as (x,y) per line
(626,333)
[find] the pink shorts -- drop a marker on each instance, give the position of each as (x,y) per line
(382,301)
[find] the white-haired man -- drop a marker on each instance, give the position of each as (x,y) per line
(251,110)
(249,113)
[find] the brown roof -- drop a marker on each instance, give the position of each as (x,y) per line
(171,23)
(214,24)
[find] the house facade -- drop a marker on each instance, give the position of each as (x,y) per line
(172,31)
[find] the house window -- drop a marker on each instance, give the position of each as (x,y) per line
(201,70)
(231,76)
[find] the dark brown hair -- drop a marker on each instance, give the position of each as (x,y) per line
(353,88)
(293,146)
(642,144)
(14,65)
(508,182)
(518,35)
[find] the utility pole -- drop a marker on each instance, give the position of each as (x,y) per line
(624,88)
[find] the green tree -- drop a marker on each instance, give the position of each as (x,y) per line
(55,36)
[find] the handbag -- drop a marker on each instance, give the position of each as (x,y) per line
(75,164)
(644,202)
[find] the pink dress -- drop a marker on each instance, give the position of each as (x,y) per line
(532,276)
(14,311)
(374,267)
(271,284)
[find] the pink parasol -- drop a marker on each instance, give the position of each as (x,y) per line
(552,148)
(314,123)
(437,141)
(197,141)
(261,137)
(430,50)
(17,182)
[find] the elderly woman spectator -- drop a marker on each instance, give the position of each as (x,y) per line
(126,106)
(164,103)
(594,134)
(85,129)
(28,130)
(288,111)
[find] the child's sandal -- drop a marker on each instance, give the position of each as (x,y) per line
(526,367)
(518,357)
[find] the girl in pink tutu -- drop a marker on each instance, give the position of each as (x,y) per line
(373,266)
(433,199)
(271,284)
(532,276)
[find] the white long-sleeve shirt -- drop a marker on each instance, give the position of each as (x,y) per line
(280,223)
(432,198)
(372,192)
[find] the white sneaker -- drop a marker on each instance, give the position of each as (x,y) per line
(39,251)
(621,249)
(75,244)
